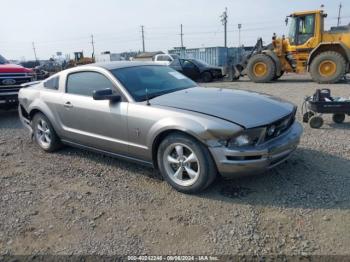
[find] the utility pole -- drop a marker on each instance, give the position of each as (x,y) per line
(239,34)
(181,34)
(224,22)
(339,11)
(143,39)
(36,58)
(93,46)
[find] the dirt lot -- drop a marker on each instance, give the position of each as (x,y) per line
(77,202)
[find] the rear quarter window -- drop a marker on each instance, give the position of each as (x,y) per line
(52,83)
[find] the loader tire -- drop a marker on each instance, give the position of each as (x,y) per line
(261,68)
(328,67)
(276,77)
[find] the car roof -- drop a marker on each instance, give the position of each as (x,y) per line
(122,64)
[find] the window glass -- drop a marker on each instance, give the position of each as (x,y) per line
(151,81)
(188,64)
(161,58)
(305,28)
(85,83)
(52,83)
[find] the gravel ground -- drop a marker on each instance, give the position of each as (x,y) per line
(77,202)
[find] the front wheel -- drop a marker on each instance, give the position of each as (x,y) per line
(44,134)
(261,68)
(185,163)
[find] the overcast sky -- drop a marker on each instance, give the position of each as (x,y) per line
(66,25)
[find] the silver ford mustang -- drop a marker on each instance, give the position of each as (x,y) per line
(154,115)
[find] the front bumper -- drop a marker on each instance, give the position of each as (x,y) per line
(233,163)
(8,98)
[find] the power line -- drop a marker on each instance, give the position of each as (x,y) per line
(143,39)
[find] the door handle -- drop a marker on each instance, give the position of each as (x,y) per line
(68,105)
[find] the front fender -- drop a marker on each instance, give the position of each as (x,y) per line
(205,130)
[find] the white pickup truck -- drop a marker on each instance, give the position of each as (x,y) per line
(161,59)
(164,59)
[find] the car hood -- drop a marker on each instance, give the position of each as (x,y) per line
(13,68)
(244,108)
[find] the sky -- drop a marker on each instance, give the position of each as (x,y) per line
(66,26)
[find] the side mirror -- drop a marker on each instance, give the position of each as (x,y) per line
(106,94)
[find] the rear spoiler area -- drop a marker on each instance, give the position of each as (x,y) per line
(30,83)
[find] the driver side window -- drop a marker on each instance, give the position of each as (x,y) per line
(84,83)
(306,26)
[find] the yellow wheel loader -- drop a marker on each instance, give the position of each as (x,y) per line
(307,48)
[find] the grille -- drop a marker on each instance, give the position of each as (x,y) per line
(280,126)
(13,79)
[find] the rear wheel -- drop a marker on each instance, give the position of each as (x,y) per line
(261,68)
(328,67)
(185,163)
(44,134)
(338,118)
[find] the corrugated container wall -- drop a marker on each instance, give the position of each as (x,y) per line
(216,56)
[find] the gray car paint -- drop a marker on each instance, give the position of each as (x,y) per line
(130,128)
(241,107)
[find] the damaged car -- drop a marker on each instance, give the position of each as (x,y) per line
(154,115)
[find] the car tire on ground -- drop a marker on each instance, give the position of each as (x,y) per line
(185,163)
(44,133)
(261,68)
(328,67)
(316,122)
(338,118)
(206,77)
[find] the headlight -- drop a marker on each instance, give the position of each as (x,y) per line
(249,137)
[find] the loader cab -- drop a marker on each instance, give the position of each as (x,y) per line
(305,28)
(301,29)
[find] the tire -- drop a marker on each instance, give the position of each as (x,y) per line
(201,170)
(261,68)
(44,134)
(328,67)
(206,77)
(316,122)
(307,116)
(338,118)
(276,77)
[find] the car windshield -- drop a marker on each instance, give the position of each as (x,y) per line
(200,62)
(144,82)
(3,60)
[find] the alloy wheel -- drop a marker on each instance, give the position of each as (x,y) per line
(43,133)
(181,164)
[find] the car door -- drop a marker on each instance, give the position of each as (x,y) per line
(99,124)
(190,69)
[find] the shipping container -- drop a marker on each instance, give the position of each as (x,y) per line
(216,56)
